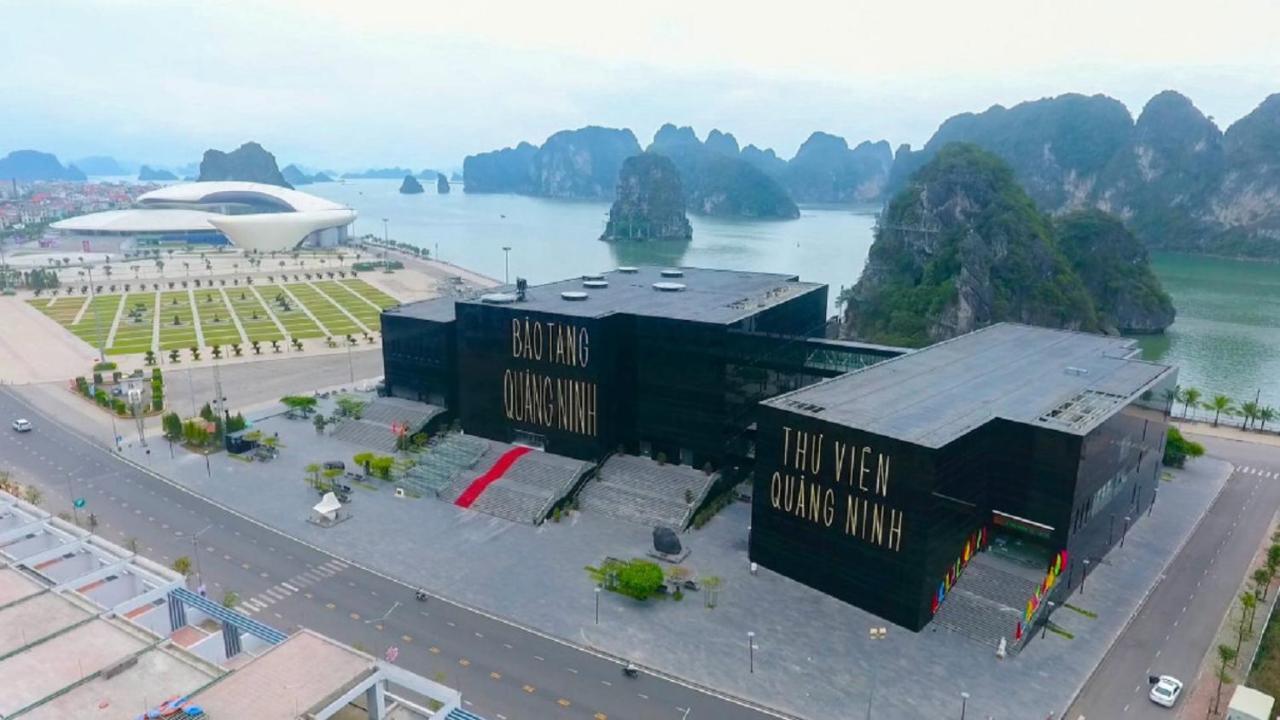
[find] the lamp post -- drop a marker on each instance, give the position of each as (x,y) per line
(506,264)
(751,652)
(875,634)
(195,550)
(964,703)
(1084,574)
(1127,520)
(597,604)
(1044,627)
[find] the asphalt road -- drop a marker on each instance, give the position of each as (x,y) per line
(504,672)
(1175,628)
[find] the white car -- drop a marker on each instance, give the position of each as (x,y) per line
(1166,691)
(22,425)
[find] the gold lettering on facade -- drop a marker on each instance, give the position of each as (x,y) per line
(556,404)
(862,469)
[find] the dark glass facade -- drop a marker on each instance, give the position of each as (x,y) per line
(877,522)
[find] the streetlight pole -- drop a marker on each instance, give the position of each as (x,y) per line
(964,703)
(97,322)
(1127,519)
(1084,575)
(875,634)
(597,604)
(751,652)
(195,550)
(1044,627)
(506,264)
(386,238)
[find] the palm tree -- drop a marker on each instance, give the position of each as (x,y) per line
(1250,412)
(1265,415)
(1226,656)
(1219,404)
(1171,396)
(1190,396)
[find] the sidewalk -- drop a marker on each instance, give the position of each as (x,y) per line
(1200,701)
(1225,432)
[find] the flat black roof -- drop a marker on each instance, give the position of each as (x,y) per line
(1056,379)
(703,295)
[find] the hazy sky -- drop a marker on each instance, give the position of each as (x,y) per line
(347,83)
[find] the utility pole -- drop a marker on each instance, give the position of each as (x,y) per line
(97,321)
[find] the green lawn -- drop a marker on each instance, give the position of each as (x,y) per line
(254,318)
(177,324)
(363,311)
(215,319)
(329,315)
(370,292)
(95,324)
(295,321)
(133,334)
(63,310)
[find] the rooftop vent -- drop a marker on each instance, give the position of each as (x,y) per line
(498,298)
(595,283)
(668,286)
(593,277)
(573,295)
(1077,371)
(628,270)
(673,273)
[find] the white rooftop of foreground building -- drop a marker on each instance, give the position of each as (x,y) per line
(235,192)
(134,221)
(86,630)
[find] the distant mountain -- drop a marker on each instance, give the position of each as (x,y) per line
(391,173)
(296,176)
(722,143)
(249,162)
(719,184)
(411,186)
(580,163)
(427,174)
(1115,269)
(650,202)
(104,166)
(825,170)
(321,177)
(442,184)
(509,170)
(765,160)
(1176,180)
(149,174)
(455,176)
(32,165)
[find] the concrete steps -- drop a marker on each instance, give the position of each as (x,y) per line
(639,490)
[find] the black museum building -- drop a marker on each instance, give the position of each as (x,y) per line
(877,471)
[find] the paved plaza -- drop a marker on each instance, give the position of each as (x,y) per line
(812,655)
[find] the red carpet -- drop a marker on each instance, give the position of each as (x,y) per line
(499,469)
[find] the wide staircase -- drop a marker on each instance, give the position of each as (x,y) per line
(515,483)
(445,457)
(374,428)
(640,490)
(988,600)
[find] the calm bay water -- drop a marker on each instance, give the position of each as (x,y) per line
(1226,338)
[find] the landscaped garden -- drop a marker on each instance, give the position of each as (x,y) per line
(177,323)
(215,319)
(363,310)
(134,331)
(329,315)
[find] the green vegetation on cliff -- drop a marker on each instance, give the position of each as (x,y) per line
(962,247)
(1114,266)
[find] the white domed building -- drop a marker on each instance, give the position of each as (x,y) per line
(252,216)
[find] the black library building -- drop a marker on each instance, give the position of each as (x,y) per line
(880,474)
(880,486)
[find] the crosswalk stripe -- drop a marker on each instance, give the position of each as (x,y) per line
(289,587)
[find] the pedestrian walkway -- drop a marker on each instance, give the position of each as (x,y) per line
(295,584)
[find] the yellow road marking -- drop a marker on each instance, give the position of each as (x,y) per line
(406,638)
(434,650)
(464,662)
(355,616)
(529,689)
(330,605)
(601,716)
(563,703)
(377,626)
(495,676)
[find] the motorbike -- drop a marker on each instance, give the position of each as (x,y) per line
(630,670)
(420,596)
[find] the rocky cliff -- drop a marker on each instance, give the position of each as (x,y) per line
(32,165)
(649,202)
(294,175)
(961,247)
(1114,267)
(1177,180)
(249,162)
(825,170)
(410,186)
(582,163)
(442,184)
(103,165)
(389,173)
(718,184)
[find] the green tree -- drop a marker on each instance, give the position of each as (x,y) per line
(1177,449)
(639,579)
(1265,415)
(1226,656)
(1249,411)
(1219,404)
(1190,397)
(330,475)
(350,407)
(1248,608)
(230,599)
(1261,583)
(182,565)
(711,584)
(363,459)
(302,403)
(172,425)
(314,470)
(206,412)
(381,466)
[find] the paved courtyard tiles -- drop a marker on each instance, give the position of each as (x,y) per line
(813,657)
